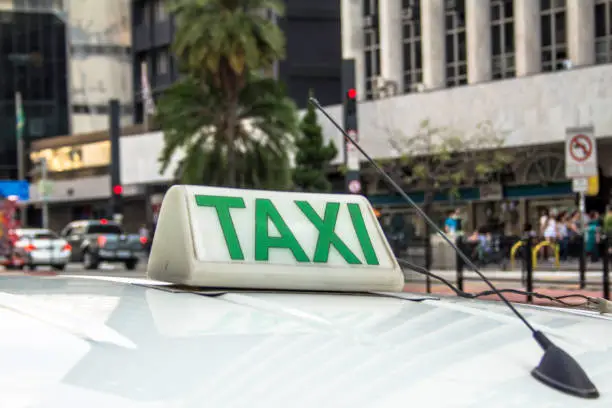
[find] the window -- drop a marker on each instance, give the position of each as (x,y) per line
(603,31)
(34,4)
(371,45)
(411,27)
(502,39)
(162,62)
(554,41)
(456,55)
(104,229)
(159,11)
(37,235)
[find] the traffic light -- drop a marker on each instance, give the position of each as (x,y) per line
(351,102)
(117,190)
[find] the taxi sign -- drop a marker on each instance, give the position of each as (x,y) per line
(235,238)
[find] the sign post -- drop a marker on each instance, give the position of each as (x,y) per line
(581,161)
(45,193)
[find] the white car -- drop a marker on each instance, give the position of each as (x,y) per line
(42,247)
(274,299)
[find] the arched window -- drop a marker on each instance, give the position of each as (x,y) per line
(545,168)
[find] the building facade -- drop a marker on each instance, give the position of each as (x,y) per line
(100,61)
(313,58)
(33,65)
(66,58)
(531,68)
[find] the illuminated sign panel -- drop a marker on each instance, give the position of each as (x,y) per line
(75,157)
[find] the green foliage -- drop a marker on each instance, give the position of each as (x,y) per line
(445,158)
(232,127)
(191,113)
(226,38)
(313,156)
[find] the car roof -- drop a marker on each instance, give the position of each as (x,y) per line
(33,231)
(128,342)
(92,222)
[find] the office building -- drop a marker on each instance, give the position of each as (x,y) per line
(33,64)
(529,68)
(313,57)
(66,58)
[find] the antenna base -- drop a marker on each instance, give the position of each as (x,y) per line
(559,370)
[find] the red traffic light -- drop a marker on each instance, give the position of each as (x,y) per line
(117,190)
(352,93)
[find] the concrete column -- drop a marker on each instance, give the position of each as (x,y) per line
(391,42)
(478,27)
(580,16)
(353,40)
(527,35)
(433,38)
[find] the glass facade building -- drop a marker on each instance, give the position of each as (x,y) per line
(33,63)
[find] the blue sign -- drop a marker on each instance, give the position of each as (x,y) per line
(21,189)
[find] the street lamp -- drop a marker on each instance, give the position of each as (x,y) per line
(43,190)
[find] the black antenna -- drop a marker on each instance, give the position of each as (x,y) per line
(557,369)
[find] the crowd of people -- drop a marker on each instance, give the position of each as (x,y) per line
(563,228)
(488,244)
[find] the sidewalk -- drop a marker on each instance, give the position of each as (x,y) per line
(475,287)
(561,277)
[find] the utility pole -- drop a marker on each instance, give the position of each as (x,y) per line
(45,193)
(19,127)
(116,202)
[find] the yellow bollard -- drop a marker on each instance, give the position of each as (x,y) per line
(513,250)
(536,249)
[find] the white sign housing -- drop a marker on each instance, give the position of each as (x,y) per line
(252,239)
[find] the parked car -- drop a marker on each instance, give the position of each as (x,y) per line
(42,247)
(97,241)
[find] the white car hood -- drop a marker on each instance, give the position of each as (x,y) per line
(76,343)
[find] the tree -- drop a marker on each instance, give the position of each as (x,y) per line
(192,114)
(445,159)
(313,156)
(226,40)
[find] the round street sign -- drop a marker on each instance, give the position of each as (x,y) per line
(581,148)
(353,135)
(354,186)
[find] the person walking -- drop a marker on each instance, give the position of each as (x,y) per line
(592,236)
(563,231)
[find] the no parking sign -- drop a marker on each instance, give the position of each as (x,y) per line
(580,153)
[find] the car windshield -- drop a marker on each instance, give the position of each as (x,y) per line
(38,235)
(104,229)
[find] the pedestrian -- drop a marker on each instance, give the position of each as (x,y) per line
(543,221)
(592,236)
(563,234)
(550,234)
(451,224)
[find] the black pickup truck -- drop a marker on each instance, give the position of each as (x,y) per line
(96,241)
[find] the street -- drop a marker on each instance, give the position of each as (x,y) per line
(551,283)
(115,270)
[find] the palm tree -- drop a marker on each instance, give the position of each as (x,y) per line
(227,39)
(193,116)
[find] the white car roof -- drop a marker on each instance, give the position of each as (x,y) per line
(98,342)
(32,231)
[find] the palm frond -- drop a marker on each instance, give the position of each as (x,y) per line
(192,115)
